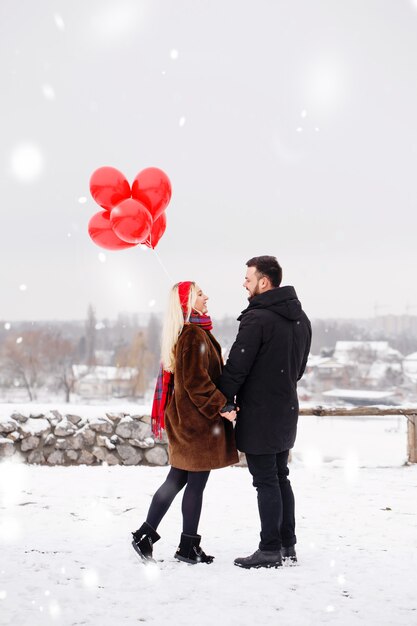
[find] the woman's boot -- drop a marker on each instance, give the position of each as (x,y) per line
(143,540)
(189,550)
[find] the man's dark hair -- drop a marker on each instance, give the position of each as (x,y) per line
(267,266)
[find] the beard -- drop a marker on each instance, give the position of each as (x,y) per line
(255,292)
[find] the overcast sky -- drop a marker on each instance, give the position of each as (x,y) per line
(286,127)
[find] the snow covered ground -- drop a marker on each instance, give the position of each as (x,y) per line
(65,556)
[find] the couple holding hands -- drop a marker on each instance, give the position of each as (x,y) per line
(197,399)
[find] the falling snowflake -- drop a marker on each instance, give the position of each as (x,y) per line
(54,609)
(101,257)
(152,303)
(113,22)
(299,129)
(151,571)
(13,478)
(341,579)
(3,594)
(48,91)
(330,608)
(59,21)
(312,458)
(19,340)
(303,113)
(174,54)
(90,578)
(23,287)
(82,199)
(9,530)
(216,430)
(26,162)
(7,326)
(182,121)
(351,467)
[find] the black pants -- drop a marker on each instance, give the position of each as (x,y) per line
(275,499)
(192,500)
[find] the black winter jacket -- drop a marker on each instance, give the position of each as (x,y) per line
(267,359)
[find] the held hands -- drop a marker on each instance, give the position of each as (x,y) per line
(229,415)
(228,412)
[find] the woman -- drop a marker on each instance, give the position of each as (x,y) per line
(187,404)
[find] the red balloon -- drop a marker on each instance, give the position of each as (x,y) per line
(131,221)
(152,187)
(109,187)
(158,229)
(101,232)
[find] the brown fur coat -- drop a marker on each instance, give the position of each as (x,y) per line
(199,438)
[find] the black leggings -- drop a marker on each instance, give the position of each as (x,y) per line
(191,502)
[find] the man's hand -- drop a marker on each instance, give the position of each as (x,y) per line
(228,411)
(229,415)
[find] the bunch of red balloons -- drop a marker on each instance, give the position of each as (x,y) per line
(131,215)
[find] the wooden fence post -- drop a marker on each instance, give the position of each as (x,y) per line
(412,438)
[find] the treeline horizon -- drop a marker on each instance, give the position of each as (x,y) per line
(113,333)
(36,354)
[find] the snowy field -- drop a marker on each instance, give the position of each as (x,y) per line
(65,556)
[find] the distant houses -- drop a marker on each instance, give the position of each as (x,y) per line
(361,372)
(104,381)
(410,367)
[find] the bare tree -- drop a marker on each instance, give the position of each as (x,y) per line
(59,354)
(22,357)
(138,356)
(90,336)
(153,341)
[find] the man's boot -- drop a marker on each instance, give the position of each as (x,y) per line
(289,555)
(260,558)
(143,540)
(189,550)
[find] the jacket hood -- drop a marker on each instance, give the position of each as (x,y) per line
(281,300)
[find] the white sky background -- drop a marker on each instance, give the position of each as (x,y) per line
(286,127)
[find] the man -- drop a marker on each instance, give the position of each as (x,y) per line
(265,362)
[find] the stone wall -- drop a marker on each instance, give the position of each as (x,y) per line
(54,438)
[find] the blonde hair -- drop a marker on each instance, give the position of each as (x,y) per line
(174,323)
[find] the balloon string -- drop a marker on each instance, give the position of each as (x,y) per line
(162,265)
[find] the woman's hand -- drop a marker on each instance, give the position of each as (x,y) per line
(229,415)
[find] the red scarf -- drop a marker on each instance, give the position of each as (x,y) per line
(165,381)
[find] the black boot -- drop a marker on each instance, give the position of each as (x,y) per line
(260,558)
(143,540)
(289,555)
(189,550)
